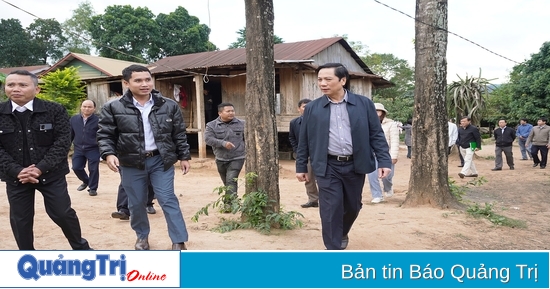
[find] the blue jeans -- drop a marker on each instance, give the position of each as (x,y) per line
(229,172)
(135,183)
(374,182)
(79,162)
(525,151)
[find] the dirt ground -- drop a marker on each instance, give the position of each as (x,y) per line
(521,194)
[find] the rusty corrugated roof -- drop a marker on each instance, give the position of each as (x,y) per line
(36,69)
(295,51)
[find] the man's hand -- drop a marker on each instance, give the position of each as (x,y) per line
(29,174)
(112,163)
(383,172)
(185,166)
(229,145)
(302,177)
(393,161)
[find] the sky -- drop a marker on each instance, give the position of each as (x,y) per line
(515,29)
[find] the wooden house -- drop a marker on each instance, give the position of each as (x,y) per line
(223,74)
(103,76)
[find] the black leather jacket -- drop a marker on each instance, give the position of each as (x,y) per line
(121,131)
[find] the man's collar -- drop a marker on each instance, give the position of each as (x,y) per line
(28,105)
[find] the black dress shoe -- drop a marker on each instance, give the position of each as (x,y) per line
(535,165)
(142,244)
(542,167)
(345,241)
(120,215)
(499,169)
(92,192)
(472,176)
(512,168)
(310,204)
(151,210)
(460,166)
(82,187)
(179,246)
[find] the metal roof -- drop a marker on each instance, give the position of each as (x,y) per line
(108,66)
(297,52)
(35,69)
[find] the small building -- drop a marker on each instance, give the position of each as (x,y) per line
(103,76)
(223,75)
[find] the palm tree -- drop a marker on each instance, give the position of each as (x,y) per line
(467,96)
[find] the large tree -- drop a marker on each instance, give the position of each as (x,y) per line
(15,45)
(48,42)
(124,32)
(261,128)
(77,29)
(181,34)
(241,40)
(530,86)
(428,183)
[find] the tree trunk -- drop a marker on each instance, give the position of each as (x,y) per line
(261,127)
(430,134)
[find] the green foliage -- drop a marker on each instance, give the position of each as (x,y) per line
(488,213)
(254,210)
(181,34)
(47,40)
(529,89)
(124,32)
(241,40)
(467,97)
(135,34)
(76,29)
(458,191)
(15,45)
(398,99)
(64,87)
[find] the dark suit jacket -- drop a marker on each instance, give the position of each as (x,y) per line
(294,133)
(504,139)
(366,134)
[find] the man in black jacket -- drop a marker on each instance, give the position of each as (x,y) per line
(35,138)
(143,135)
(83,135)
(470,142)
(504,137)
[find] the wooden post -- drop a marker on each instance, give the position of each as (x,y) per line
(201,124)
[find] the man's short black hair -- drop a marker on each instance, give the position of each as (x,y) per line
(303,100)
(127,72)
(224,104)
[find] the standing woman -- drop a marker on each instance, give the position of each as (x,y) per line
(391,132)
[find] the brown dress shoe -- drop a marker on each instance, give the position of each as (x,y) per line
(142,244)
(179,246)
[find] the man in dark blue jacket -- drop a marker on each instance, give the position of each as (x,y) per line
(83,135)
(340,133)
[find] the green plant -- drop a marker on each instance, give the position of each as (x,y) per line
(457,191)
(64,87)
(488,212)
(254,211)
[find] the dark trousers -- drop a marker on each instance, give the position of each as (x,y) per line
(58,207)
(229,172)
(543,155)
(79,162)
(122,198)
(340,192)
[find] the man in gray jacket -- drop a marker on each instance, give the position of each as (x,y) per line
(539,140)
(225,135)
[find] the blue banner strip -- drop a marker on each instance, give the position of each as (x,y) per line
(359,269)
